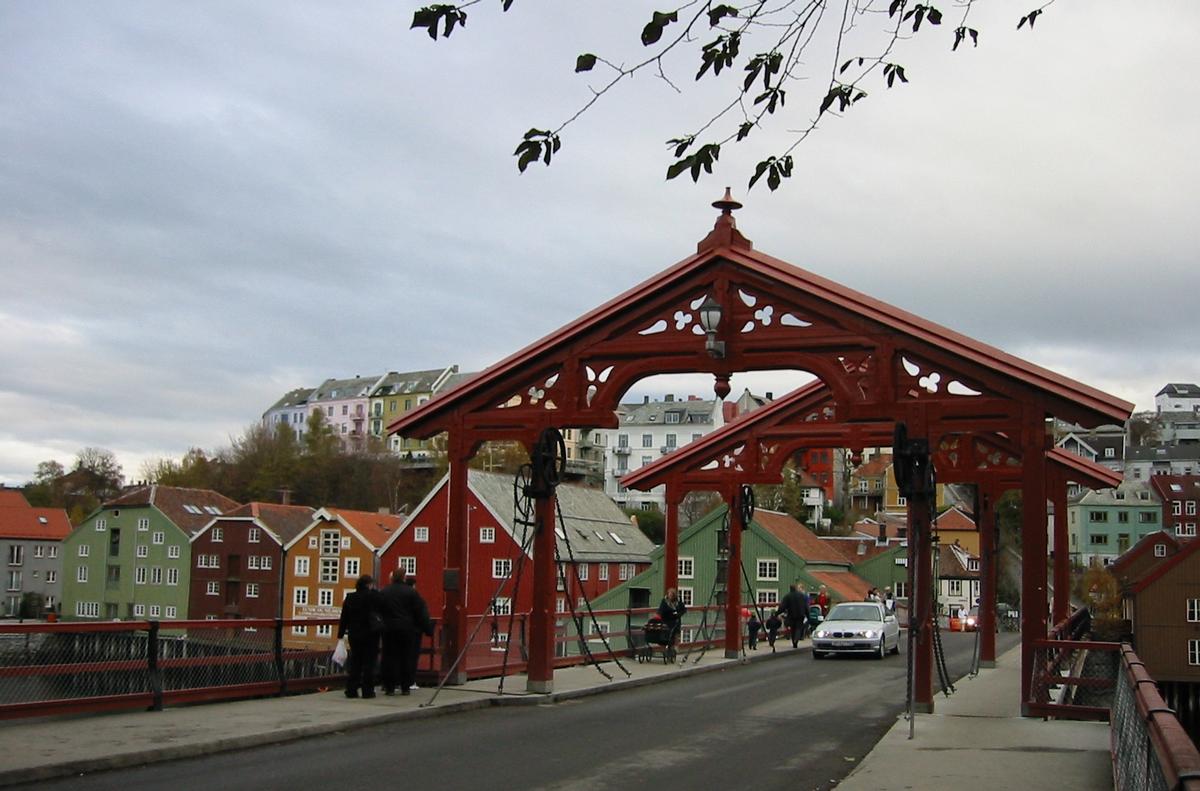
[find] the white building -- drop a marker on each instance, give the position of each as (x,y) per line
(648,431)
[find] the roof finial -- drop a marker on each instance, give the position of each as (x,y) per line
(727,204)
(724,232)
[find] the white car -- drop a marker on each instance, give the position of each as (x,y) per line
(859,627)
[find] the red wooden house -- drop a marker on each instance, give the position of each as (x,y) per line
(238,561)
(605,546)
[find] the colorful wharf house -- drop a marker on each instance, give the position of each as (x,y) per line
(323,562)
(598,547)
(30,549)
(777,551)
(238,561)
(1180,495)
(132,557)
(1163,603)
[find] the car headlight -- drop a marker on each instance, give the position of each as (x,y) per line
(970,622)
(870,634)
(820,633)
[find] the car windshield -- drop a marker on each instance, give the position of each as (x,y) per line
(855,612)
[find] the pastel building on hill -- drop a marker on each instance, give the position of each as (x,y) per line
(30,549)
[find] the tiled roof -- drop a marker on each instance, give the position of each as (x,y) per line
(284,522)
(375,528)
(846,584)
(1163,453)
(875,467)
(1184,390)
(952,562)
(858,549)
(20,521)
(394,383)
(1176,487)
(292,398)
(954,519)
(691,413)
(339,389)
(590,519)
(798,538)
(189,509)
(1131,565)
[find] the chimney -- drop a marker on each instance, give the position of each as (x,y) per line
(770,396)
(645,399)
(882,533)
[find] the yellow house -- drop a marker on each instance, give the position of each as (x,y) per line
(321,565)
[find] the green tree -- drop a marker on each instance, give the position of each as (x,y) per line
(843,51)
(652,523)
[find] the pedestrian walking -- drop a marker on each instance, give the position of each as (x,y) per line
(405,618)
(753,627)
(360,623)
(794,609)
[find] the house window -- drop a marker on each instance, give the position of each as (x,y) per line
(301,630)
(53,552)
(687,568)
(1194,652)
(954,587)
(685,596)
(972,564)
(1148,517)
(1185,529)
(143,524)
(142,551)
(502,605)
(1097,516)
(51,576)
(407,564)
(14,580)
(264,562)
(139,575)
(84,550)
(487,535)
(325,631)
(672,417)
(1098,539)
(560,604)
(172,576)
(155,610)
(901,500)
(352,567)
(625,571)
(81,574)
(1123,517)
(171,611)
(647,440)
(768,569)
(218,534)
(501,568)
(582,570)
(301,566)
(672,442)
(1160,550)
(139,610)
(325,597)
(1176,508)
(252,562)
(767,596)
(602,572)
(300,595)
(1193,610)
(101,525)
(1190,509)
(329,570)
(173,551)
(158,537)
(252,535)
(901,589)
(213,588)
(331,542)
(156,575)
(251,590)
(421,535)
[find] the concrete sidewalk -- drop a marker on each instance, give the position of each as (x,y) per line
(977,739)
(996,749)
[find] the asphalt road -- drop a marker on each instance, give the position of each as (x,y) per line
(793,723)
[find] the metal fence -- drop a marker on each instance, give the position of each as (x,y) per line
(72,667)
(57,668)
(1151,750)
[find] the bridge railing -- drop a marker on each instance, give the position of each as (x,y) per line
(58,668)
(1074,678)
(49,668)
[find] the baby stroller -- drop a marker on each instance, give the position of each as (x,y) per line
(658,632)
(815,617)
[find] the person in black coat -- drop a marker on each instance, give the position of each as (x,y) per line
(671,610)
(359,610)
(405,618)
(794,608)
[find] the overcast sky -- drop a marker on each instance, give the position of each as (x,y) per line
(204,205)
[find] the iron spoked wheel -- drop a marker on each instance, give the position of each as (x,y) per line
(522,501)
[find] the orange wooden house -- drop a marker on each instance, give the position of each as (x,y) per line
(321,565)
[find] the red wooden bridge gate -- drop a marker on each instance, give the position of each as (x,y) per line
(729,308)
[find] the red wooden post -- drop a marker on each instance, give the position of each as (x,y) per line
(541,619)
(921,599)
(1033,547)
(454,610)
(1062,549)
(985,513)
(674,496)
(733,586)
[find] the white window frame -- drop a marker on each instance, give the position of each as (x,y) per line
(212,588)
(101,525)
(81,573)
(139,611)
(324,597)
(139,575)
(172,576)
(581,570)
(85,550)
(421,535)
(602,572)
(686,597)
(251,590)
(767,570)
(142,551)
(407,564)
(954,587)
(487,535)
(300,595)
(501,568)
(329,570)
(686,570)
(1160,550)
(253,535)
(158,537)
(171,611)
(331,542)
(302,565)
(217,535)
(155,610)
(767,595)
(173,551)
(352,567)
(143,524)
(1194,652)
(1193,610)
(156,577)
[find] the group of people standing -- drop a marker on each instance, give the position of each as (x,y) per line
(793,612)
(394,618)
